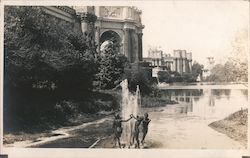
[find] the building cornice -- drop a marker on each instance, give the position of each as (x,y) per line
(132,22)
(88,17)
(67,9)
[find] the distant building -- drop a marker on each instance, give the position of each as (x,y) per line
(155,58)
(180,62)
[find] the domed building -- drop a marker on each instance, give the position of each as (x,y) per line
(119,24)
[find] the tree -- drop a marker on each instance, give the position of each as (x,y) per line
(235,68)
(228,72)
(197,70)
(111,67)
(239,52)
(217,73)
(40,48)
(136,75)
(188,77)
(164,76)
(46,62)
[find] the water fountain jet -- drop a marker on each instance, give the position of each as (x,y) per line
(131,104)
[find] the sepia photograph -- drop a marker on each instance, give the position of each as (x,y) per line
(169,75)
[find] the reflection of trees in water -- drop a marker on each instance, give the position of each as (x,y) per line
(219,92)
(197,92)
(211,101)
(227,92)
(182,92)
(244,92)
(182,95)
(196,99)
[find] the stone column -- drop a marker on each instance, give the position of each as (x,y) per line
(140,46)
(87,22)
(178,65)
(136,47)
(169,66)
(84,24)
(126,43)
(97,39)
(181,65)
(174,65)
(97,11)
(184,65)
(190,65)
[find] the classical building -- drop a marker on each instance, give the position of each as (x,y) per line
(122,25)
(119,24)
(180,62)
(155,57)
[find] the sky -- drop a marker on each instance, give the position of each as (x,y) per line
(205,28)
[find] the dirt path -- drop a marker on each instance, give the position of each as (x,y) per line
(169,132)
(57,135)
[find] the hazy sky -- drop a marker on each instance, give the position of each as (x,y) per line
(205,28)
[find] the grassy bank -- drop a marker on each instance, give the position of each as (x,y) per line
(71,111)
(149,101)
(41,117)
(235,126)
(146,100)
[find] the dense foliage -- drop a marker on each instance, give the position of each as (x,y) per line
(42,51)
(136,75)
(111,67)
(235,68)
(49,70)
(173,76)
(231,71)
(197,70)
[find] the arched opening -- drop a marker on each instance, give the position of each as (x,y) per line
(113,37)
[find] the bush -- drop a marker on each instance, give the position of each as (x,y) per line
(41,48)
(164,76)
(188,77)
(138,76)
(148,101)
(48,67)
(111,68)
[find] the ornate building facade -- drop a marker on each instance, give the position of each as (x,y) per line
(119,24)
(180,62)
(122,25)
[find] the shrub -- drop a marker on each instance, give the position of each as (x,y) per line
(111,68)
(164,76)
(138,76)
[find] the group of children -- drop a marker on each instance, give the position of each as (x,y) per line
(117,127)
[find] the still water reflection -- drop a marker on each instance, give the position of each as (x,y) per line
(185,125)
(207,103)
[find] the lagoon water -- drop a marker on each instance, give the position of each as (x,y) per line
(185,125)
(178,126)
